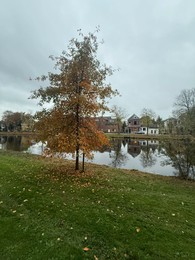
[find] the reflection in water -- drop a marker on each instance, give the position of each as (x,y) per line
(14,143)
(145,155)
(133,148)
(181,156)
(11,143)
(117,156)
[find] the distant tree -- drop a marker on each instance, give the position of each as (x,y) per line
(27,122)
(79,92)
(160,123)
(12,120)
(119,114)
(185,111)
(124,125)
(147,117)
(185,101)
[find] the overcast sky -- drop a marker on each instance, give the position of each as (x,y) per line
(151,41)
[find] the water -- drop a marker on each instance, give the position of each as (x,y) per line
(173,158)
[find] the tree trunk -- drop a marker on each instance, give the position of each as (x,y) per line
(77,130)
(83,164)
(77,159)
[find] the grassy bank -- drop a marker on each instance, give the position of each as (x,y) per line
(47,212)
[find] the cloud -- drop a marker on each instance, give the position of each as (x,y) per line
(152,42)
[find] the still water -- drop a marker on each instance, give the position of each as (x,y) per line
(170,158)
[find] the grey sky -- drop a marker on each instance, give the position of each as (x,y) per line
(151,41)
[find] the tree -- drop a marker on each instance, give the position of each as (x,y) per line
(185,111)
(185,101)
(12,120)
(124,125)
(119,115)
(147,117)
(160,123)
(79,92)
(27,122)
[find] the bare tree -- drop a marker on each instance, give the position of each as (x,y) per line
(119,115)
(185,111)
(147,117)
(185,101)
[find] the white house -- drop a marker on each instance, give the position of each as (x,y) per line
(151,130)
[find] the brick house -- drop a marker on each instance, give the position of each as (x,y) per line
(107,124)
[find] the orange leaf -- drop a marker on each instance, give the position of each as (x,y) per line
(86,249)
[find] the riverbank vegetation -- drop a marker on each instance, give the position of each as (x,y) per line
(49,212)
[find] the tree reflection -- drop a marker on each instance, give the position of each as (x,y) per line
(118,158)
(147,157)
(181,155)
(14,143)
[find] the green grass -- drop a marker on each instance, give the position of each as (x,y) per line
(48,212)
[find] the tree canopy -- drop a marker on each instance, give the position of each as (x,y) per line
(185,111)
(79,91)
(119,114)
(147,117)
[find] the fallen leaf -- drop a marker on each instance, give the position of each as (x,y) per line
(86,249)
(138,229)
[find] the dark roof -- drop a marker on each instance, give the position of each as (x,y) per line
(133,117)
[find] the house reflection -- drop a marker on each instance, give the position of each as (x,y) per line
(145,149)
(134,148)
(3,141)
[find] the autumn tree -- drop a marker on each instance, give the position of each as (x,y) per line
(147,117)
(79,92)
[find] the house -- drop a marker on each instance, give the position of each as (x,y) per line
(107,124)
(133,124)
(151,130)
(134,148)
(2,126)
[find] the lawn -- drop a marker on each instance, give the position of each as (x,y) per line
(49,212)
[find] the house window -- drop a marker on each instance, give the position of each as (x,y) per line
(135,122)
(151,131)
(154,131)
(144,129)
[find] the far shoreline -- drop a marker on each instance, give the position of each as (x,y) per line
(116,135)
